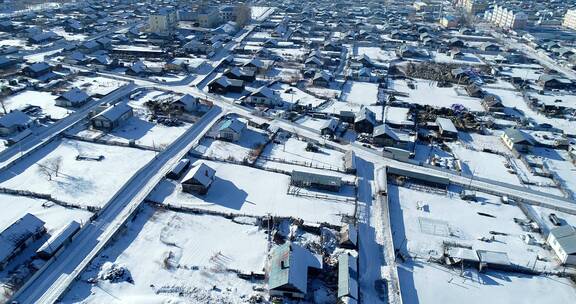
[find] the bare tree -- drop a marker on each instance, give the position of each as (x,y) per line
(51,167)
(56,164)
(44,170)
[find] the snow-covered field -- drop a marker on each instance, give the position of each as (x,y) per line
(178,258)
(146,133)
(427,93)
(44,100)
(484,164)
(449,218)
(426,283)
(244,190)
(83,182)
(377,54)
(361,93)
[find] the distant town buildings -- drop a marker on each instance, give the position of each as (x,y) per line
(163,22)
(570,19)
(507,18)
(472,6)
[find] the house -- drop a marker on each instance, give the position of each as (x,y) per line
(517,140)
(244,74)
(492,103)
(329,127)
(37,70)
(549,82)
(563,242)
(408,51)
(474,90)
(17,236)
(348,236)
(231,129)
(198,180)
(347,277)
(386,136)
(224,85)
(457,54)
(72,98)
(7,63)
(365,121)
(264,96)
(446,128)
(449,21)
(322,79)
(112,117)
(186,103)
(257,64)
(14,121)
(313,180)
(288,270)
(456,43)
(490,47)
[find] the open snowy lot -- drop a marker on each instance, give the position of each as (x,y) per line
(484,164)
(294,95)
(422,231)
(177,257)
(44,100)
(427,92)
(82,182)
(294,150)
(427,283)
(245,190)
(97,85)
(146,133)
(360,93)
(250,139)
(376,54)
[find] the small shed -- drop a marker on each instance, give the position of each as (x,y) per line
(350,162)
(446,128)
(348,236)
(313,180)
(198,179)
(179,169)
(348,276)
(493,260)
(563,242)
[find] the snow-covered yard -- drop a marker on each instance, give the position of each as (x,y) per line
(44,100)
(422,221)
(427,283)
(84,182)
(294,150)
(240,150)
(97,85)
(484,164)
(427,92)
(174,256)
(245,190)
(146,133)
(360,93)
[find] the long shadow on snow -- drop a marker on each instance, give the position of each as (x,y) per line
(409,292)
(226,194)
